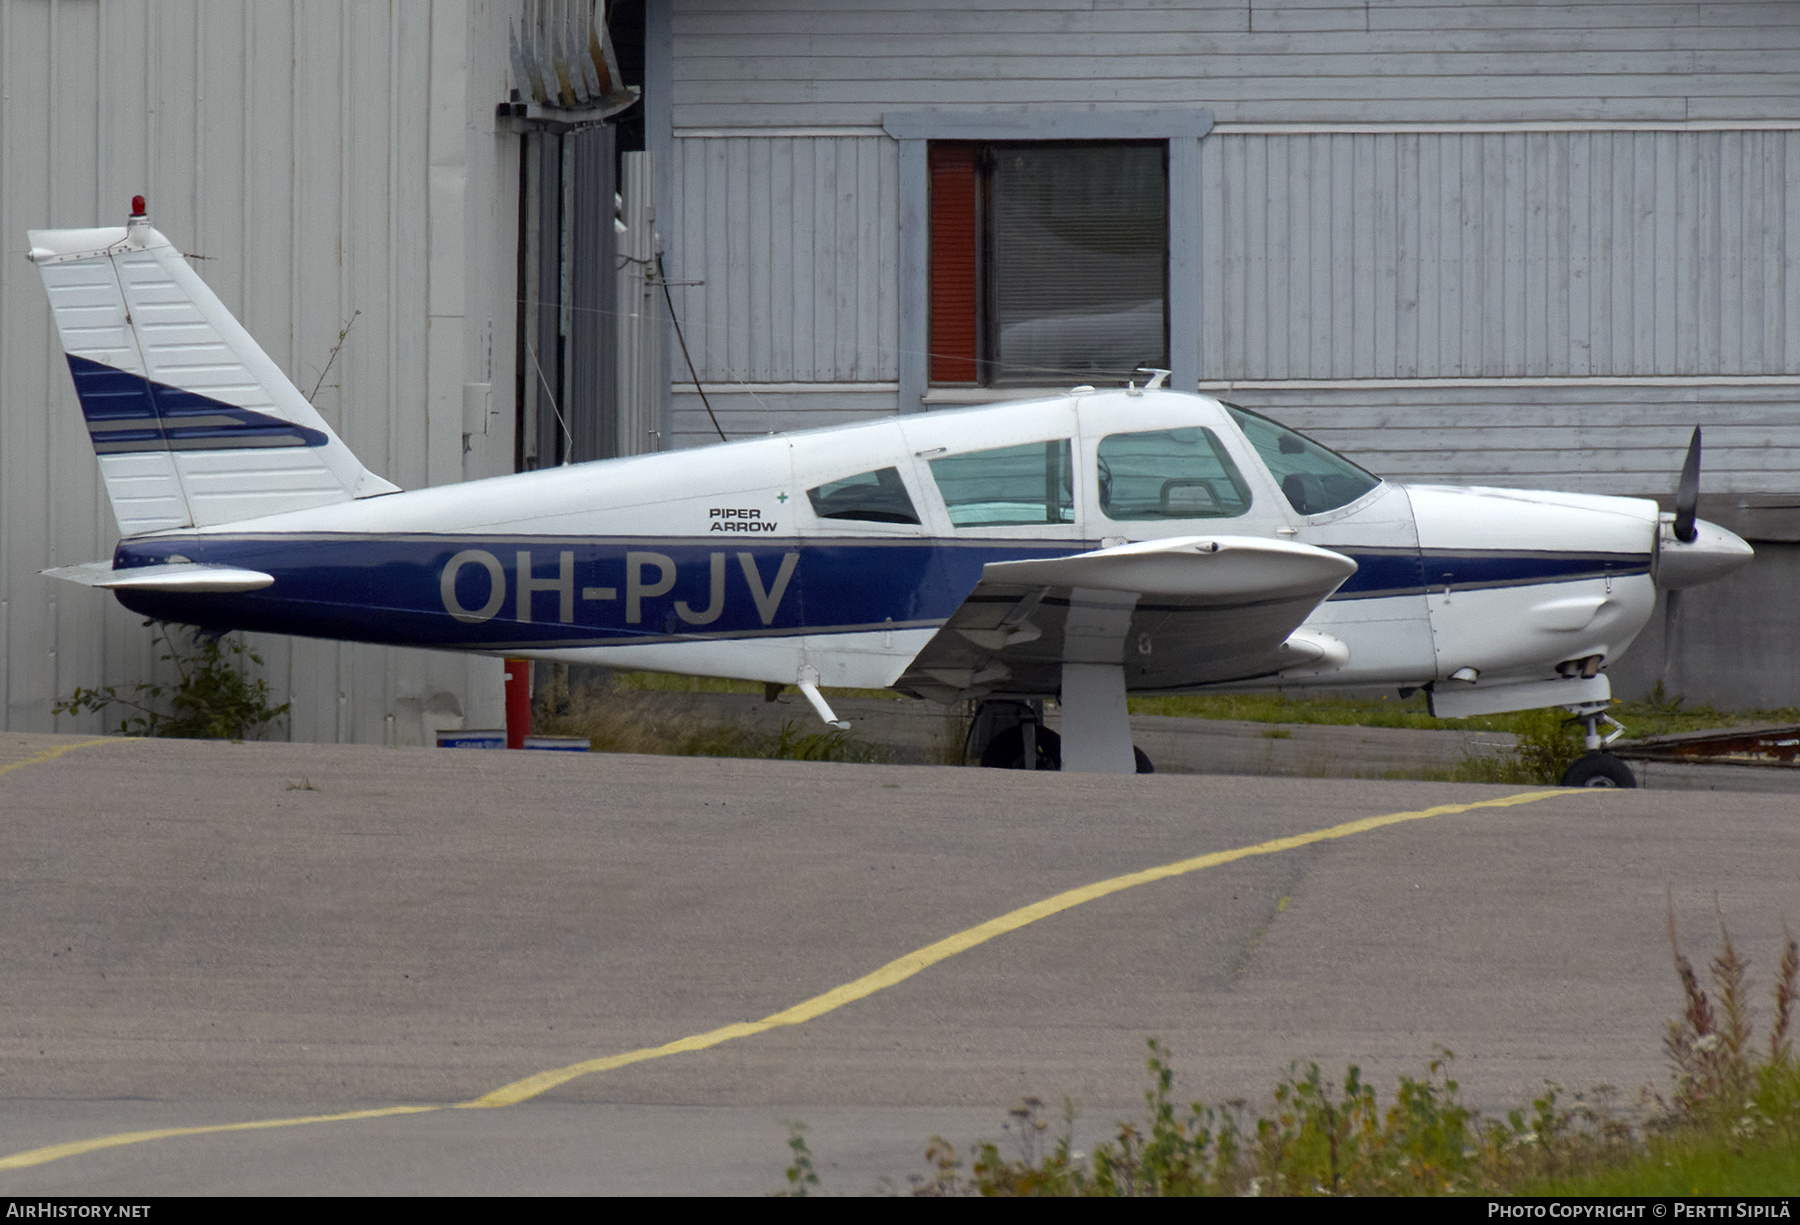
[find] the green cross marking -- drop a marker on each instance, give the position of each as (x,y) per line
(781,497)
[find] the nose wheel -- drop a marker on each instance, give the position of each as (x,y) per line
(1598,768)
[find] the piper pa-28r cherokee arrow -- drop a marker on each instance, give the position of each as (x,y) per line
(1084,546)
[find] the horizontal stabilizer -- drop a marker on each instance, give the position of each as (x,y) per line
(175,576)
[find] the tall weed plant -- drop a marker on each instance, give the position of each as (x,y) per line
(216,694)
(1730,1126)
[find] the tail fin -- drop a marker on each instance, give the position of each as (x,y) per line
(192,422)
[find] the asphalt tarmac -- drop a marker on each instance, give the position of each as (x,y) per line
(200,934)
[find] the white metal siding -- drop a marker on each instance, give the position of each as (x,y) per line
(795,239)
(1325,256)
(1617,438)
(1517,254)
(317,159)
(746,413)
(741,63)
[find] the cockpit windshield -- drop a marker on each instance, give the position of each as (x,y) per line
(1313,478)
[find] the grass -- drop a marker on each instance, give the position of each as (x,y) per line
(1731,1126)
(1656,715)
(626,716)
(627,719)
(669,682)
(1717,1166)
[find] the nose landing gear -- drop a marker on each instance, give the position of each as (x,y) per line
(1598,768)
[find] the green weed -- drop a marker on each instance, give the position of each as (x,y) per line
(1548,742)
(835,745)
(802,1175)
(1732,1123)
(212,698)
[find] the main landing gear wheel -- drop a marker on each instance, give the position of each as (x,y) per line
(1599,770)
(1007,750)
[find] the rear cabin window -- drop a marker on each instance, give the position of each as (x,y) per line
(872,497)
(1008,486)
(1312,478)
(1169,474)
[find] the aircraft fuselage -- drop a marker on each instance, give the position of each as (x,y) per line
(718,560)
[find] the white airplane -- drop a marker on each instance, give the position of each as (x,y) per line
(1084,546)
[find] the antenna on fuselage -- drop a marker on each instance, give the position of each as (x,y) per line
(1158,376)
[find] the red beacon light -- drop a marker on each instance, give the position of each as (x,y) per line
(137,207)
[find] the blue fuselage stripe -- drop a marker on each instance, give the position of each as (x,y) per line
(463,592)
(459,591)
(1396,572)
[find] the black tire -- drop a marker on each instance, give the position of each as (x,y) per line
(1599,770)
(1007,750)
(1143,761)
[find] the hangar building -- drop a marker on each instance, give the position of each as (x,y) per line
(1480,241)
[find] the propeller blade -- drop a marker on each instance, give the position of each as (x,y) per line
(1687,493)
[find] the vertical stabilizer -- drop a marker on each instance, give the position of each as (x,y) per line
(192,422)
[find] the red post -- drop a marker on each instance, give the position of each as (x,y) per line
(518,702)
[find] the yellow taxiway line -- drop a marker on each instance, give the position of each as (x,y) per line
(58,751)
(896,971)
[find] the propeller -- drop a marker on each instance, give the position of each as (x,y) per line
(1687,497)
(1687,492)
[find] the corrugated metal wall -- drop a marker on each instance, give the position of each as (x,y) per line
(1365,219)
(1502,254)
(748,63)
(796,239)
(1600,436)
(317,159)
(1360,257)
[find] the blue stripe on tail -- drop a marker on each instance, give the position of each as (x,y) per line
(127,412)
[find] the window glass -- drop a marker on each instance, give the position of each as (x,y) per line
(1010,485)
(1048,261)
(1079,246)
(1314,479)
(1169,474)
(875,497)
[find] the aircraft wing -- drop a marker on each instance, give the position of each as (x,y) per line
(1176,612)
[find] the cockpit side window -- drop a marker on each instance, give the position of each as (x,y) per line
(873,497)
(1008,486)
(1169,474)
(1313,478)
